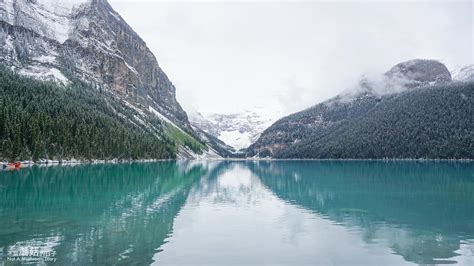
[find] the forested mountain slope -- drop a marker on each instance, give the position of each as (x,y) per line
(85,39)
(88,41)
(430,122)
(45,120)
(428,117)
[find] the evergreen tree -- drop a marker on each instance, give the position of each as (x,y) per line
(44,120)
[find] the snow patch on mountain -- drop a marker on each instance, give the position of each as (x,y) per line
(162,117)
(86,39)
(401,77)
(44,73)
(62,6)
(45,59)
(50,18)
(464,74)
(238,130)
(238,139)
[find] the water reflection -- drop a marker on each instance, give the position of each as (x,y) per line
(422,211)
(101,214)
(242,213)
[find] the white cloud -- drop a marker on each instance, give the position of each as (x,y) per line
(229,56)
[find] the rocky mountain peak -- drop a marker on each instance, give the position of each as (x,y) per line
(420,71)
(87,40)
(52,19)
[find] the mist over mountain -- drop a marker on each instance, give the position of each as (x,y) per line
(86,45)
(412,111)
(236,132)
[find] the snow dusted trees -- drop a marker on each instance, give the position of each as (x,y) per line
(43,120)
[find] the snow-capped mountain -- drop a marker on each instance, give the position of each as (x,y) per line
(68,40)
(413,111)
(85,39)
(238,130)
(464,74)
(50,18)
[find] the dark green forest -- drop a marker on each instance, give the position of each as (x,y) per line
(45,120)
(435,122)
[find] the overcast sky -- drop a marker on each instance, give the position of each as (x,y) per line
(228,56)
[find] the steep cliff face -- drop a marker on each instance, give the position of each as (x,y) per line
(86,39)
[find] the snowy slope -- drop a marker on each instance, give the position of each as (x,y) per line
(237,130)
(464,74)
(50,18)
(85,39)
(32,32)
(65,40)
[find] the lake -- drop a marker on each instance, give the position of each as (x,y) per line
(239,213)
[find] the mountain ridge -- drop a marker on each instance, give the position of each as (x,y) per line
(237,130)
(100,48)
(88,40)
(327,130)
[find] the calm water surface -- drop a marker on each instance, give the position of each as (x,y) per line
(239,213)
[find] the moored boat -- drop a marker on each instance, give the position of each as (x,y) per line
(11,166)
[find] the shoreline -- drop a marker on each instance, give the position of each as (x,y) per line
(388,159)
(47,163)
(73,162)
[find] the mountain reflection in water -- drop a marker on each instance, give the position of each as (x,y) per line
(241,213)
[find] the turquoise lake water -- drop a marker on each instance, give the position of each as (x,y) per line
(239,213)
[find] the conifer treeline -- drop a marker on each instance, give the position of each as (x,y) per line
(435,122)
(44,120)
